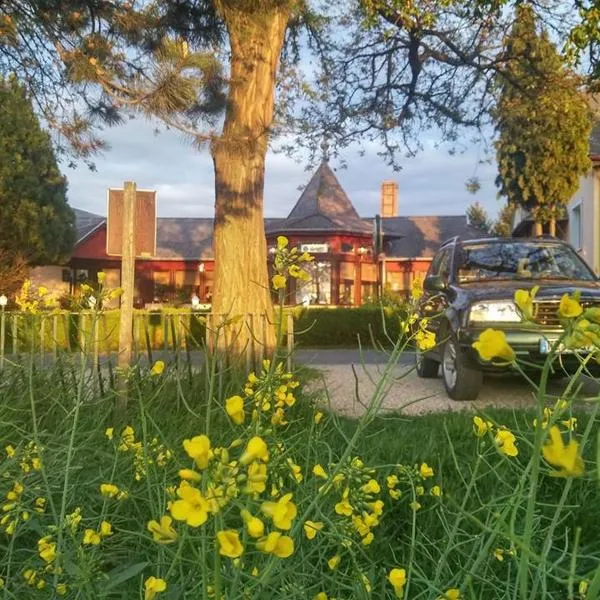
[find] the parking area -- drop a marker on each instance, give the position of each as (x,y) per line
(351,383)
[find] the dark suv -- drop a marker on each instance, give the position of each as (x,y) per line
(470,286)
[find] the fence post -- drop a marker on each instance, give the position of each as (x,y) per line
(15,346)
(290,341)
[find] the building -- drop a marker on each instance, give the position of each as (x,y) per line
(355,257)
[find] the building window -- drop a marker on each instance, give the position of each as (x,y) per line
(575,227)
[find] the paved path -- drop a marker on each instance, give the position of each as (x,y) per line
(351,384)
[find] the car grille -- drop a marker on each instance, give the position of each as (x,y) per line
(546,311)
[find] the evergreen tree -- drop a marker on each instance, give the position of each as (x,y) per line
(478,218)
(543,124)
(35,220)
(503,226)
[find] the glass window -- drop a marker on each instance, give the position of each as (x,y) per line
(519,260)
(575,227)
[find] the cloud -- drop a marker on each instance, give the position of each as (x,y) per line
(433,182)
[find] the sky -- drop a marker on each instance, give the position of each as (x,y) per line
(431,183)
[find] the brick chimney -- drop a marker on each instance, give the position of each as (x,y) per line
(389,199)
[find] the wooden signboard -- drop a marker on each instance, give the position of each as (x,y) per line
(145,223)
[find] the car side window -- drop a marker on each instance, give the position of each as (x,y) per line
(434,268)
(444,267)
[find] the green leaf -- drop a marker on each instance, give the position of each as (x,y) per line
(118,576)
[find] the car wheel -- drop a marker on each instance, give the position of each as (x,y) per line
(461,381)
(427,368)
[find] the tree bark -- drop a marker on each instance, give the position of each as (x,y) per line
(241,284)
(552,227)
(537,229)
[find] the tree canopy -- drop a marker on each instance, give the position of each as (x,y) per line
(543,123)
(35,221)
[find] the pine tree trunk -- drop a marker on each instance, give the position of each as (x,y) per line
(241,284)
(552,227)
(537,229)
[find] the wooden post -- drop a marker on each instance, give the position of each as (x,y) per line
(552,227)
(14,334)
(2,332)
(54,337)
(127,284)
(290,340)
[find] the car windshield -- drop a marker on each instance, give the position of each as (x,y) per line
(519,260)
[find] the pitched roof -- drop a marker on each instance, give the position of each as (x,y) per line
(85,223)
(323,206)
(421,236)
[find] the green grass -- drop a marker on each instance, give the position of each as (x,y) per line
(448,543)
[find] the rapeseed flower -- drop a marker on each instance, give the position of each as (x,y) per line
(163,532)
(282,512)
(436,490)
(198,448)
(451,594)
(254,526)
(278,282)
(524,301)
(277,544)
(317,417)
(235,409)
(257,478)
(157,368)
(397,577)
(106,529)
(109,490)
(153,586)
(189,475)
(567,458)
(192,507)
(569,308)
(229,543)
(506,442)
(425,471)
(109,433)
(91,538)
(371,487)
(319,471)
(255,450)
(311,528)
(334,562)
(492,344)
(47,549)
(481,427)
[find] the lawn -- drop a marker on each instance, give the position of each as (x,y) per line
(396,507)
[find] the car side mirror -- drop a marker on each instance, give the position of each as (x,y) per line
(434,283)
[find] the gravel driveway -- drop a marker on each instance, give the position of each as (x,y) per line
(351,385)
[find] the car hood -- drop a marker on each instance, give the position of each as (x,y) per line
(548,288)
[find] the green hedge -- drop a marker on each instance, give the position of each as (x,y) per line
(313,327)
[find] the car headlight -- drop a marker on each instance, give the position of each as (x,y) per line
(498,312)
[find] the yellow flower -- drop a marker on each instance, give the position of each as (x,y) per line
(90,538)
(257,477)
(278,281)
(419,490)
(101,276)
(61,589)
(451,594)
(256,449)
(567,458)
(109,490)
(344,507)
(334,562)
(368,539)
(397,577)
(105,529)
(282,242)
(524,300)
(199,449)
(109,433)
(163,532)
(415,505)
(481,427)
(277,544)
(10,451)
(189,475)
(425,471)
(499,554)
(254,526)
(425,340)
(317,417)
(492,344)
(371,487)
(157,368)
(282,512)
(311,528)
(570,424)
(47,549)
(436,491)
(569,308)
(192,507)
(319,471)
(506,442)
(417,289)
(321,596)
(229,543)
(235,409)
(153,586)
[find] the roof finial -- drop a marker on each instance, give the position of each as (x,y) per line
(325,148)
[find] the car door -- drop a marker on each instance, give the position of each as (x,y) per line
(434,304)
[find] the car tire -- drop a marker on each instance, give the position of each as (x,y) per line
(462,382)
(427,368)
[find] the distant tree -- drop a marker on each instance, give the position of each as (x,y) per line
(543,124)
(503,226)
(478,218)
(36,223)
